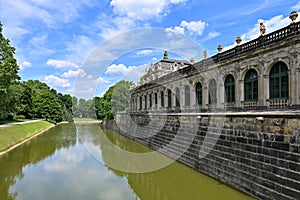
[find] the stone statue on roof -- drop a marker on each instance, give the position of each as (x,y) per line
(262,29)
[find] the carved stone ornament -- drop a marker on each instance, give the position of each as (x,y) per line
(293,16)
(238,40)
(220,48)
(262,29)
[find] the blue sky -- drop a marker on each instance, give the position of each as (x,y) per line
(65,42)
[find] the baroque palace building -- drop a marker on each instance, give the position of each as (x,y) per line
(262,74)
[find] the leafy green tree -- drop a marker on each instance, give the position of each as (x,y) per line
(47,105)
(115,99)
(66,102)
(26,106)
(8,75)
(120,96)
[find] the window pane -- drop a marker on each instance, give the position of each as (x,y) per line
(187,95)
(279,81)
(199,94)
(251,85)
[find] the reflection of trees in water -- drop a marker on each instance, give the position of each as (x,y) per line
(162,184)
(32,152)
(174,182)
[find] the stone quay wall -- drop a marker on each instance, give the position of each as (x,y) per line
(258,153)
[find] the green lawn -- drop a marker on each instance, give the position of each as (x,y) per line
(12,135)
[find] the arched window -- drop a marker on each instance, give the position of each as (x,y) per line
(199,94)
(145,102)
(251,85)
(229,89)
(155,100)
(187,95)
(136,104)
(177,94)
(169,98)
(132,105)
(150,100)
(162,99)
(279,81)
(212,92)
(141,103)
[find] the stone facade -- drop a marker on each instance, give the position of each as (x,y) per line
(261,74)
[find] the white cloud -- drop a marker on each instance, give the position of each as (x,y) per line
(297,6)
(50,12)
(131,73)
(74,73)
(80,47)
(55,81)
(194,27)
(116,69)
(144,52)
(142,10)
(25,64)
(175,29)
(211,35)
(102,80)
(110,26)
(61,64)
(271,25)
(191,28)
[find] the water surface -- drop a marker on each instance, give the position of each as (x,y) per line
(67,164)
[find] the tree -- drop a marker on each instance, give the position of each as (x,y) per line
(66,102)
(8,75)
(115,99)
(47,105)
(120,96)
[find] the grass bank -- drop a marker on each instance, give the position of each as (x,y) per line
(12,135)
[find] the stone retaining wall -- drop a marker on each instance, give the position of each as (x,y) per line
(258,155)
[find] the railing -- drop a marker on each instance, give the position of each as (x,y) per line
(229,105)
(278,103)
(249,104)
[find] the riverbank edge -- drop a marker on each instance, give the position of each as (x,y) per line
(111,125)
(3,152)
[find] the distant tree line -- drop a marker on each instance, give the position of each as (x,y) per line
(115,99)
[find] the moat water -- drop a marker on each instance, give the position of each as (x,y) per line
(67,164)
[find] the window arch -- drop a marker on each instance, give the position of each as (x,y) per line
(279,81)
(169,98)
(162,99)
(199,93)
(212,92)
(251,85)
(177,94)
(187,95)
(229,89)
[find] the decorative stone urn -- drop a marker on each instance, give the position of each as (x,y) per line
(293,16)
(238,40)
(220,48)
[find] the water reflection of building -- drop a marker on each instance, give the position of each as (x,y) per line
(174,182)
